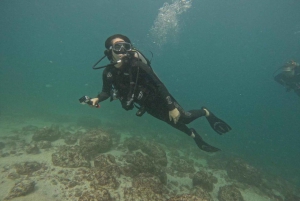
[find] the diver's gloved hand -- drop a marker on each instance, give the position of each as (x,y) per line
(217,124)
(201,144)
(94,102)
(174,115)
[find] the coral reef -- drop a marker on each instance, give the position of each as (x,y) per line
(108,164)
(27,168)
(103,179)
(70,139)
(241,171)
(141,194)
(104,160)
(155,151)
(145,157)
(141,163)
(183,165)
(205,180)
(133,143)
(187,198)
(47,133)
(199,192)
(69,157)
(149,181)
(94,142)
(229,193)
(13,176)
(152,149)
(219,162)
(97,165)
(44,144)
(100,195)
(21,188)
(32,149)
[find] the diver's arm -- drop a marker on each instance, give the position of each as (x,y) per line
(106,87)
(102,96)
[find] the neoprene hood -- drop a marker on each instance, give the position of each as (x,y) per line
(109,39)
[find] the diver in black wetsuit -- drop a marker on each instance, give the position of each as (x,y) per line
(130,79)
(290,77)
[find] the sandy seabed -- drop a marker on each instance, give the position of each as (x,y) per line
(182,171)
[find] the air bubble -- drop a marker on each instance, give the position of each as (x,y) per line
(166,23)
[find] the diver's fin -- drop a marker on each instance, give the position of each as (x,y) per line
(217,124)
(203,145)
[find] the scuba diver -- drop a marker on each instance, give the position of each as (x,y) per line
(130,78)
(289,77)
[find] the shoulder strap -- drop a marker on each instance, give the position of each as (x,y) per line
(148,62)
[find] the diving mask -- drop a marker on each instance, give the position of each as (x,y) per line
(121,47)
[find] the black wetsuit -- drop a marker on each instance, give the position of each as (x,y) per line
(290,82)
(150,93)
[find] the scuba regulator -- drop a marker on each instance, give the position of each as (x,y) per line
(118,48)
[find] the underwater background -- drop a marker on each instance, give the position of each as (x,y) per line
(218,54)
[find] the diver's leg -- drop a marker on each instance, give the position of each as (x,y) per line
(217,124)
(159,113)
(201,144)
(162,114)
(188,117)
(192,133)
